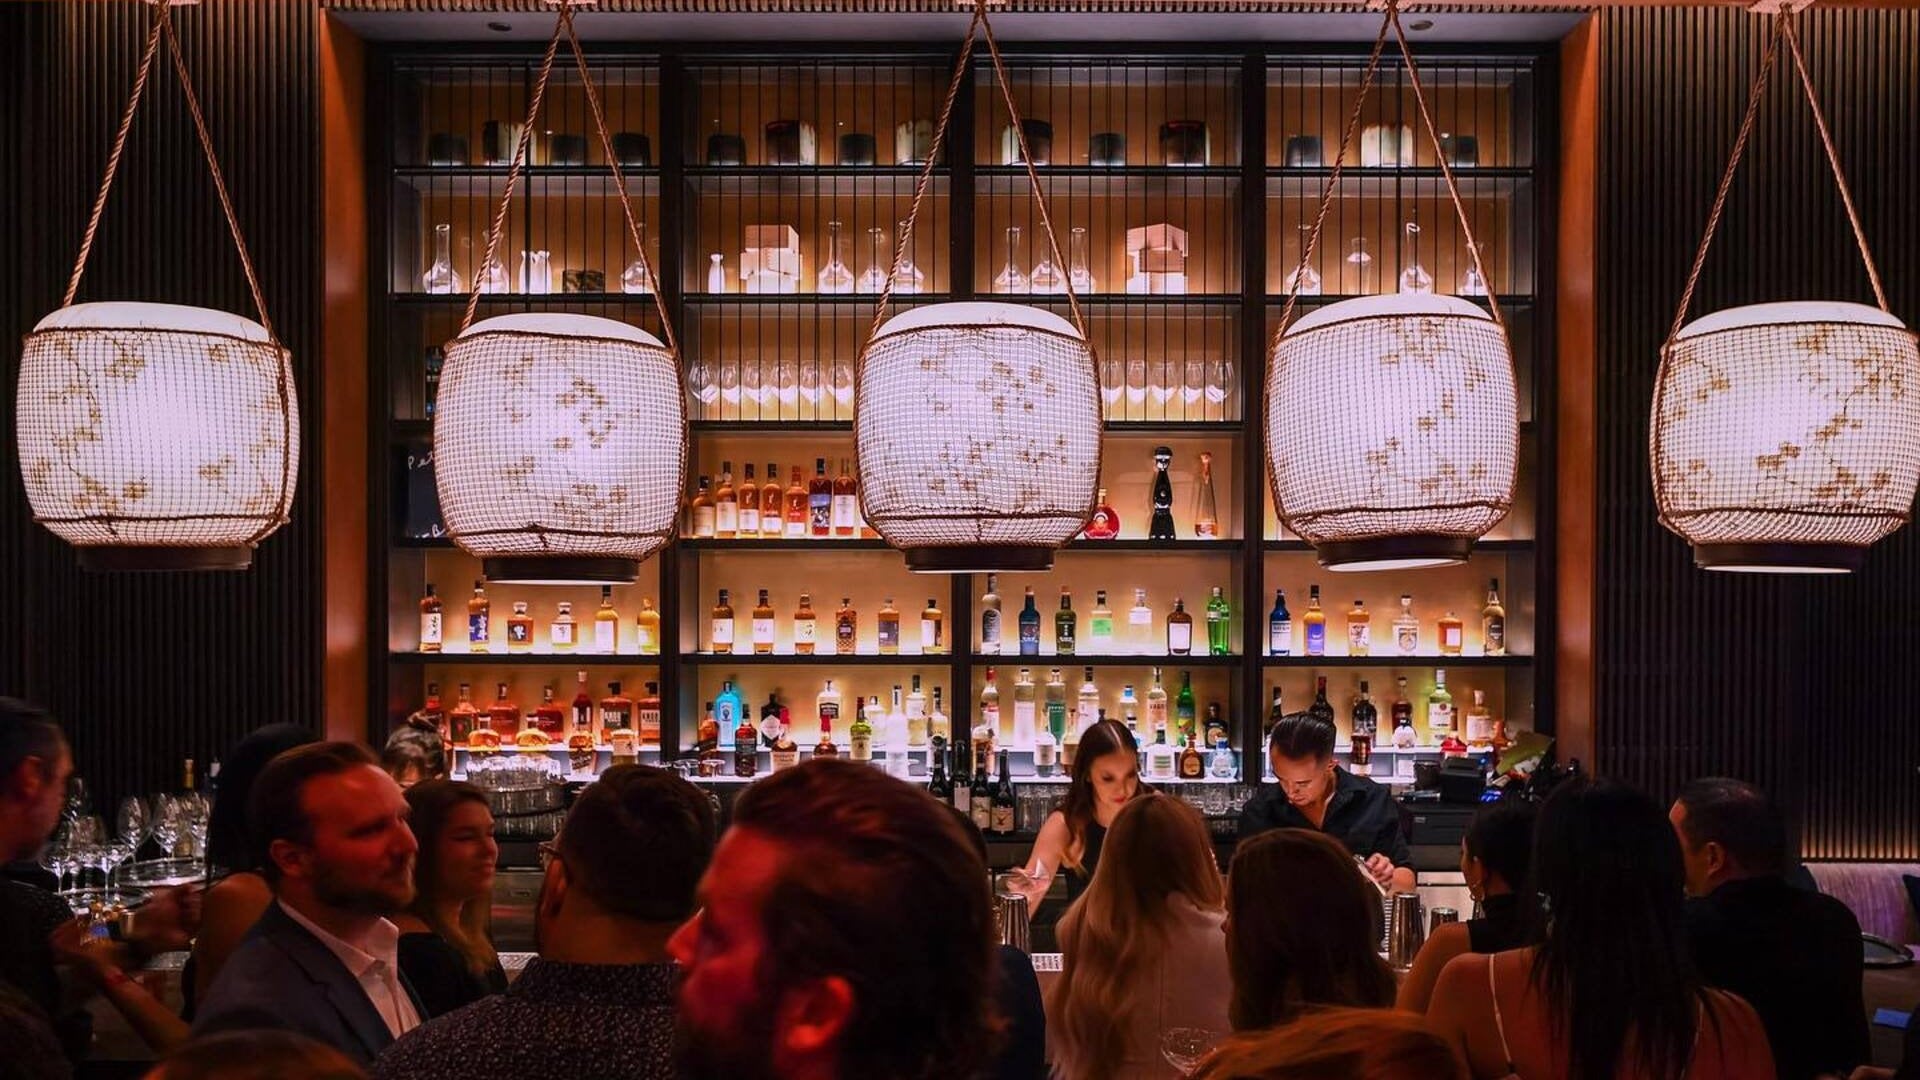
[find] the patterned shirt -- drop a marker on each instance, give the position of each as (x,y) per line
(565,1021)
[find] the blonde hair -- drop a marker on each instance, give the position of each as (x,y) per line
(1158,849)
(1337,1044)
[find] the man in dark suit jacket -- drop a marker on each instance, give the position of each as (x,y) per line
(1794,955)
(324,960)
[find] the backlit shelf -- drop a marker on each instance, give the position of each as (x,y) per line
(820,659)
(526,659)
(1423,661)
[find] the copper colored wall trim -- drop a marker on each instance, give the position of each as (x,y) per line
(1578,519)
(941,7)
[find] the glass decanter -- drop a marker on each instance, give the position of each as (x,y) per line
(716,273)
(536,272)
(1011,279)
(1046,277)
(1303,280)
(1358,258)
(1473,284)
(441,277)
(638,277)
(492,276)
(907,278)
(1079,272)
(1415,279)
(874,279)
(834,276)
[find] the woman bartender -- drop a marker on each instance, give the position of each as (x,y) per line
(1314,792)
(1106,774)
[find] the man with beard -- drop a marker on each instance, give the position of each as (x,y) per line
(324,960)
(598,1002)
(843,934)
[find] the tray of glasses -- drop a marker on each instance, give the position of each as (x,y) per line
(161,873)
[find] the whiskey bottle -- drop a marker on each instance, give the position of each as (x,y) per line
(846,504)
(1404,737)
(846,628)
(1321,708)
(582,719)
(503,716)
(933,628)
(1004,803)
(860,734)
(1216,726)
(1359,630)
(785,753)
(804,626)
(430,622)
(889,628)
(1274,712)
(1406,628)
(606,624)
(763,626)
(990,717)
(1056,698)
(479,626)
(1179,630)
(1219,624)
(616,711)
(1066,625)
(916,715)
(820,501)
(1156,705)
(560,633)
(1183,707)
(701,511)
(772,522)
(647,628)
(746,748)
(721,634)
(1493,622)
(1439,708)
(706,739)
(749,506)
(798,514)
(726,505)
(433,714)
(1160,526)
(464,717)
(1192,765)
(1206,519)
(1024,721)
(1316,623)
(646,714)
(1479,723)
(1279,626)
(1100,626)
(549,718)
(1366,718)
(828,704)
(990,618)
(519,628)
(1452,635)
(1105,522)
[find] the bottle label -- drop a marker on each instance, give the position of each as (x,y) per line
(750,523)
(1439,718)
(1279,637)
(786,759)
(1179,637)
(990,632)
(862,747)
(963,799)
(519,633)
(1496,636)
(649,639)
(1190,765)
(722,632)
(460,727)
(726,518)
(550,720)
(583,719)
(477,628)
(1029,639)
(1451,638)
(649,724)
(820,514)
(1479,728)
(829,715)
(1407,639)
(796,521)
(1206,529)
(1063,637)
(726,714)
(1316,638)
(1139,616)
(615,719)
(1057,718)
(929,635)
(1160,765)
(763,631)
(846,513)
(561,633)
(1101,628)
(803,630)
(1043,754)
(889,634)
(1003,819)
(605,631)
(982,811)
(703,521)
(1359,638)
(430,629)
(843,635)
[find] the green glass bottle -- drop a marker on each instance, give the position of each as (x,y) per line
(1217,624)
(1183,711)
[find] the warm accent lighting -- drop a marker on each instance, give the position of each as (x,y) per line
(1786,437)
(1391,430)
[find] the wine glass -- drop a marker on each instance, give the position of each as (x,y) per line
(131,825)
(166,824)
(1185,1048)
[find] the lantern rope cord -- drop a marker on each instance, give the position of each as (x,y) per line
(113,158)
(1833,161)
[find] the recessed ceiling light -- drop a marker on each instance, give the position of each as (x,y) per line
(499,27)
(1420,24)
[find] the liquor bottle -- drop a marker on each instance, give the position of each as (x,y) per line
(646,715)
(1439,708)
(1100,626)
(560,633)
(893,726)
(820,501)
(1279,626)
(772,521)
(1023,709)
(1493,622)
(990,717)
(1321,707)
(701,510)
(1216,726)
(828,704)
(548,717)
(1070,745)
(1105,522)
(846,504)
(990,618)
(1179,630)
(1066,625)
(933,628)
(763,625)
(797,508)
(464,717)
(1452,635)
(749,505)
(519,628)
(1140,624)
(1219,624)
(980,797)
(1406,628)
(939,785)
(1360,756)
(939,724)
(1274,712)
(1191,765)
(707,735)
(722,633)
(616,711)
(1404,737)
(1160,527)
(1366,718)
(430,623)
(606,623)
(962,787)
(1046,752)
(773,719)
(1206,519)
(1004,803)
(785,753)
(916,715)
(1130,711)
(1316,623)
(1029,627)
(988,736)
(1500,740)
(1156,705)
(432,713)
(846,628)
(647,628)
(1160,764)
(860,733)
(804,626)
(889,628)
(1183,707)
(746,748)
(728,710)
(1087,710)
(1479,723)
(1056,701)
(1359,630)
(1220,765)
(479,625)
(582,720)
(726,505)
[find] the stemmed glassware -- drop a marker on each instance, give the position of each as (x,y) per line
(1012,279)
(907,278)
(834,276)
(1079,274)
(1358,258)
(1415,279)
(638,277)
(441,277)
(1303,280)
(130,826)
(874,278)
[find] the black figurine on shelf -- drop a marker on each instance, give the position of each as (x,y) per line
(1161,527)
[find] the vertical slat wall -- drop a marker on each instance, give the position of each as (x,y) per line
(1796,684)
(146,670)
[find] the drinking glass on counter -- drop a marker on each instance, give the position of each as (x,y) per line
(1185,1048)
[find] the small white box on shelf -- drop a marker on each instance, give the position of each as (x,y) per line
(1162,237)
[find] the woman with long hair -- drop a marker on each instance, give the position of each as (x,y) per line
(1495,856)
(1337,1044)
(1610,992)
(1105,777)
(1141,949)
(446,950)
(1303,928)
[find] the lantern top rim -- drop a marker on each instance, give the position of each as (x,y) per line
(141,315)
(1389,305)
(1787,312)
(981,313)
(563,324)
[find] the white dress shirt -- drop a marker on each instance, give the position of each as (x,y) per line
(375,962)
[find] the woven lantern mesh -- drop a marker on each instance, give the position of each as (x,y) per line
(1392,426)
(1791,433)
(550,445)
(978,435)
(161,438)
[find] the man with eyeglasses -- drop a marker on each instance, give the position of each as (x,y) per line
(1314,792)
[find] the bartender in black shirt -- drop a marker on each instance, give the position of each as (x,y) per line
(1314,792)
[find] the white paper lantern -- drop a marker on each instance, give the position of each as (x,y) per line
(1786,437)
(560,447)
(977,430)
(157,436)
(1391,430)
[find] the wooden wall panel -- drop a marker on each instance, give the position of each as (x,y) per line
(146,670)
(1801,685)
